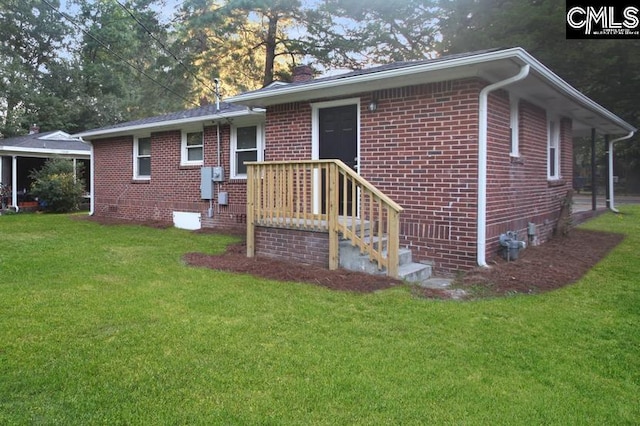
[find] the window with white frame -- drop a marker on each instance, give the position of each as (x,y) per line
(515,129)
(246,145)
(192,148)
(142,158)
(553,144)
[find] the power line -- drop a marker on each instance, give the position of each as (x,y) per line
(68,18)
(161,44)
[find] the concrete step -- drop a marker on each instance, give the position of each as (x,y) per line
(360,224)
(404,256)
(415,272)
(353,260)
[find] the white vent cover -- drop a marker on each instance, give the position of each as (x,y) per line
(187,220)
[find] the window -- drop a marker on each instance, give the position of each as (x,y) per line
(515,143)
(142,158)
(246,145)
(553,143)
(192,148)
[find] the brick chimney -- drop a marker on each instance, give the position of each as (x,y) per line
(302,73)
(34,129)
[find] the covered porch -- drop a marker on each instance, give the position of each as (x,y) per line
(19,156)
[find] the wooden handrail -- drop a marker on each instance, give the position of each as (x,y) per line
(324,195)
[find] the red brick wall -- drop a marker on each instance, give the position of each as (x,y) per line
(518,189)
(288,244)
(420,148)
(288,132)
(172,187)
(416,148)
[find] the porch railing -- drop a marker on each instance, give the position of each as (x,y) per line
(324,195)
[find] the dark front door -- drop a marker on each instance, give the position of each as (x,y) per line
(338,139)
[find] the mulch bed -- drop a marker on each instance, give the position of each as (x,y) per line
(559,262)
(562,260)
(235,260)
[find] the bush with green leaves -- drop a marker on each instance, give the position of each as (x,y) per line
(56,185)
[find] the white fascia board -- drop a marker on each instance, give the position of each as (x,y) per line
(571,92)
(376,76)
(59,135)
(52,152)
(166,125)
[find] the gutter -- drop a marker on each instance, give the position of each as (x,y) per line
(610,177)
(481,243)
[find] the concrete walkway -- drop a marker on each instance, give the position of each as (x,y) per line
(583,202)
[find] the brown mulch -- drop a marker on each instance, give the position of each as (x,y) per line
(235,260)
(561,261)
(557,263)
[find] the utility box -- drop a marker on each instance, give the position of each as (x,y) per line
(206,183)
(223,198)
(510,246)
(217,174)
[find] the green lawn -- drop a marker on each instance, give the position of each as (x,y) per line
(106,325)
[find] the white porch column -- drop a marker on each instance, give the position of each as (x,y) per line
(14,181)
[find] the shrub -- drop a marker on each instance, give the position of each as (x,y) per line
(56,186)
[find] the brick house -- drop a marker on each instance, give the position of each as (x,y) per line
(445,155)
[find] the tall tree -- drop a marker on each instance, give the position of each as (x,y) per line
(243,42)
(124,69)
(31,37)
(347,33)
(605,70)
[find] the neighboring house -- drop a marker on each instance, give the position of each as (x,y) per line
(442,155)
(20,155)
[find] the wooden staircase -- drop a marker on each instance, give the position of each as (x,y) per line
(363,223)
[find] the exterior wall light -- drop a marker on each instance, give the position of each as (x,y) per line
(373,105)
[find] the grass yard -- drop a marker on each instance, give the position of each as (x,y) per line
(106,325)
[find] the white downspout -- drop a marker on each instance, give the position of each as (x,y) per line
(92,187)
(481,242)
(612,206)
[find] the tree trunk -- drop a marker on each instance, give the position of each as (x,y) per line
(270,44)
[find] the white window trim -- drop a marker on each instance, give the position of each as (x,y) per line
(234,143)
(553,140)
(184,155)
(515,126)
(136,172)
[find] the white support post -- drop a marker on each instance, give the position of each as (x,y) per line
(14,182)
